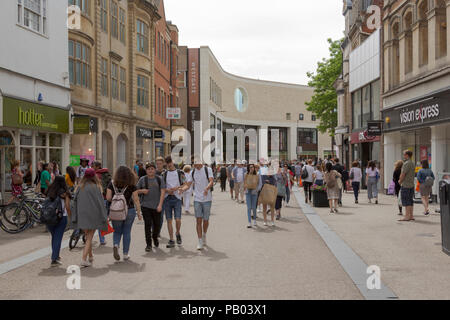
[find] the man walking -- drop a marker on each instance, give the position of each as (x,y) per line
(152,190)
(159,172)
(203,181)
(238,175)
(175,182)
(407,182)
(230,179)
(307,180)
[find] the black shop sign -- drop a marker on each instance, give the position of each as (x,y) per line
(159,134)
(428,111)
(144,133)
(374,128)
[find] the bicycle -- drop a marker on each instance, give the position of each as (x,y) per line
(75,237)
(19,216)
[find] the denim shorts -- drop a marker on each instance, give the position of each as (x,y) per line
(202,209)
(407,196)
(172,206)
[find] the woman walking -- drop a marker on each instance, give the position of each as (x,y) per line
(281,178)
(58,191)
(251,182)
(187,195)
(426,179)
(290,182)
(396,177)
(333,189)
(318,176)
(125,183)
(89,213)
(372,176)
(16,181)
(223,178)
(355,177)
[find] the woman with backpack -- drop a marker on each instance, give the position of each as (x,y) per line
(123,196)
(333,189)
(372,177)
(426,179)
(89,212)
(58,191)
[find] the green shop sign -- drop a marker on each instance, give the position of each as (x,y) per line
(81,124)
(74,160)
(28,115)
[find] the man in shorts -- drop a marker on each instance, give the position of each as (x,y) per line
(407,182)
(203,181)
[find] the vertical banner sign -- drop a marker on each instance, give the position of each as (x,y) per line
(194,78)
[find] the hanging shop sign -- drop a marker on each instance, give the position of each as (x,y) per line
(374,128)
(29,115)
(144,133)
(363,137)
(81,124)
(423,113)
(194,78)
(173,113)
(159,134)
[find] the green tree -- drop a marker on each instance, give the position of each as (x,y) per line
(324,101)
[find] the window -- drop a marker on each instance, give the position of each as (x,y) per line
(365,106)
(104,77)
(123,85)
(301,117)
(159,45)
(313,117)
(142,91)
(423,32)
(288,116)
(122,30)
(82,4)
(33,14)
(142,37)
(306,136)
(114,81)
(79,64)
(356,101)
(375,103)
(104,15)
(114,29)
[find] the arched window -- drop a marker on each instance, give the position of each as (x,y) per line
(422,15)
(122,150)
(107,150)
(395,60)
(407,26)
(441,29)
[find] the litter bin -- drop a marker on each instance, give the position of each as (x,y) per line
(444,195)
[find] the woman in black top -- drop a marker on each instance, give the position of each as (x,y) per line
(124,179)
(395,178)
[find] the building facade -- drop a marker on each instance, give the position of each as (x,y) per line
(35,113)
(416,84)
(219,100)
(115,72)
(359,86)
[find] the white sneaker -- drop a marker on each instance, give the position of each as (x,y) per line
(254,223)
(204,239)
(126,257)
(85,263)
(200,244)
(249,225)
(258,210)
(272,224)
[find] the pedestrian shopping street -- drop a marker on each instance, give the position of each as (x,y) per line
(288,261)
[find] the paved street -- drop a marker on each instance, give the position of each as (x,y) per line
(289,261)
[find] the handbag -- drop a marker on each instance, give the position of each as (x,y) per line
(251,181)
(281,190)
(110,230)
(391,188)
(268,195)
(339,183)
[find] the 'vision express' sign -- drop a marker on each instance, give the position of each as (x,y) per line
(426,112)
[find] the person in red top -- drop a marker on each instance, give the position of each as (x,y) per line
(289,184)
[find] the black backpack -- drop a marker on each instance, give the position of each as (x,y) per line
(207,177)
(305,173)
(52,212)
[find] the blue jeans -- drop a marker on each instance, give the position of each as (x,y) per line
(172,207)
(123,228)
(251,205)
(288,194)
(355,187)
(57,233)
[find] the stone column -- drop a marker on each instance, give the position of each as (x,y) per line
(392,152)
(292,142)
(263,141)
(438,152)
(432,31)
(416,49)
(402,53)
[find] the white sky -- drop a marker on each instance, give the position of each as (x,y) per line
(272,40)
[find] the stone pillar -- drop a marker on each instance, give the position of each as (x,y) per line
(416,49)
(292,143)
(392,152)
(263,141)
(438,152)
(432,31)
(402,53)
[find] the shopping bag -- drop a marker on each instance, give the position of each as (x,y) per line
(391,188)
(418,186)
(251,181)
(268,195)
(110,230)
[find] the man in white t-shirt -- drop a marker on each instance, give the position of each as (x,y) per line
(203,181)
(175,182)
(307,179)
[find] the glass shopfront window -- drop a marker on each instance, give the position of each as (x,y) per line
(356,101)
(366,105)
(144,150)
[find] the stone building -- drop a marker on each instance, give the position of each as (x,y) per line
(416,83)
(113,60)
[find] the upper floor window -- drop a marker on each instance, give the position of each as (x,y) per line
(123,85)
(114,20)
(79,64)
(82,4)
(288,116)
(142,91)
(366,104)
(104,77)
(313,117)
(114,81)
(104,15)
(122,28)
(301,117)
(33,14)
(142,37)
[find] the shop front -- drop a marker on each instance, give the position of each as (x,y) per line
(31,132)
(144,144)
(84,139)
(423,127)
(365,148)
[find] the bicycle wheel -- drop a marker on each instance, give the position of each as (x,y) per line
(14,218)
(74,238)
